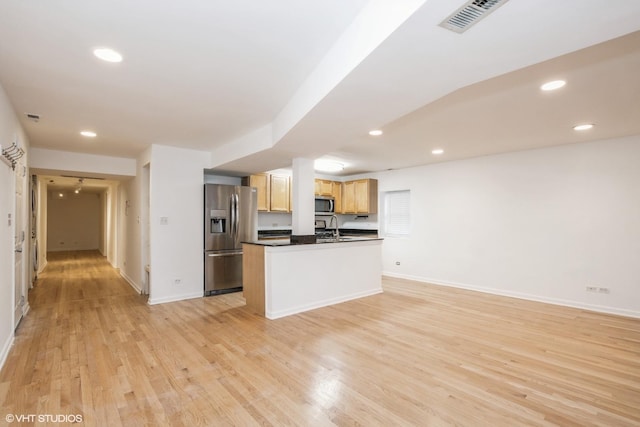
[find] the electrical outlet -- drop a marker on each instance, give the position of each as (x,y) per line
(397,262)
(603,290)
(592,289)
(177,282)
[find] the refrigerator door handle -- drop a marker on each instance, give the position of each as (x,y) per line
(232,217)
(226,254)
(237,202)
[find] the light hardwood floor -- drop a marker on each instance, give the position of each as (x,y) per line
(415,355)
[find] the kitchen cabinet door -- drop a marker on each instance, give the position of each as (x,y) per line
(280,193)
(360,196)
(324,187)
(337,195)
(261,183)
(349,197)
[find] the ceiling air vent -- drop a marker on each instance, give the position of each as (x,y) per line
(469,14)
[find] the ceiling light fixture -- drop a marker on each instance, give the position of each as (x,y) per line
(375,132)
(107,54)
(327,166)
(437,151)
(585,126)
(79,186)
(88,134)
(553,85)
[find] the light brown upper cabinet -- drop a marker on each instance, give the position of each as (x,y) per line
(274,191)
(360,196)
(336,192)
(324,187)
(262,183)
(280,193)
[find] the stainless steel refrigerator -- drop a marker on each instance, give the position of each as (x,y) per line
(230,217)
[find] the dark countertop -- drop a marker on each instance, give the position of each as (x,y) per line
(274,234)
(286,242)
(283,234)
(358,232)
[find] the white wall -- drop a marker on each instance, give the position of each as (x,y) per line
(110,223)
(218,179)
(41,228)
(540,224)
(75,221)
(129,241)
(102,236)
(10,129)
(293,285)
(176,194)
(6,249)
(80,162)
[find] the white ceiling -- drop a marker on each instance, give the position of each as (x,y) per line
(200,74)
(196,72)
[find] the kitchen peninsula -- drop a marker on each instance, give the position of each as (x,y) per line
(281,279)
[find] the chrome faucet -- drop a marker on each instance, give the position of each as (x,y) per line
(337,233)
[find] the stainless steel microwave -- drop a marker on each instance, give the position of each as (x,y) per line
(325,205)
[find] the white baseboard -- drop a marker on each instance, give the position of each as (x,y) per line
(131,282)
(174,298)
(25,309)
(41,266)
(4,353)
(307,307)
(520,295)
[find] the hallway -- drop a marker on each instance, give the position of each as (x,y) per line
(91,346)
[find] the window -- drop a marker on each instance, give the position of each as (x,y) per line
(396,213)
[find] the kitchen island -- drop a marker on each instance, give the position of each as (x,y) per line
(280,278)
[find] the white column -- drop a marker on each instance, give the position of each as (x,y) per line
(303,216)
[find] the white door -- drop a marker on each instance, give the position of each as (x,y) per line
(19,244)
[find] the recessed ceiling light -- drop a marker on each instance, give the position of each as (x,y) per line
(108,55)
(375,132)
(585,126)
(88,134)
(553,85)
(327,166)
(437,151)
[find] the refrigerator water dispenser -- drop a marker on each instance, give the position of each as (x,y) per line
(218,221)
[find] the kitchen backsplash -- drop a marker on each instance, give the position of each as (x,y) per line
(282,221)
(274,221)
